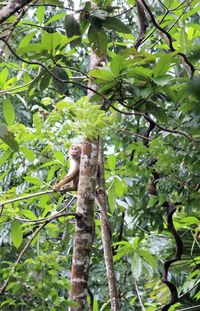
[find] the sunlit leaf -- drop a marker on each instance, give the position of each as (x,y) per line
(16,233)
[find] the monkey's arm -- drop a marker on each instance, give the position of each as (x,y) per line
(68,178)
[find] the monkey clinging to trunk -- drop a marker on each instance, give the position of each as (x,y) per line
(70,181)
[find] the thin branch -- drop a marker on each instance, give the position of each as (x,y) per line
(28,196)
(190,308)
(149,119)
(134,134)
(138,295)
(54,6)
(50,218)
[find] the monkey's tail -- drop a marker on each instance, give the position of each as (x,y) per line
(177,256)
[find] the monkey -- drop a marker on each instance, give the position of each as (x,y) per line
(70,181)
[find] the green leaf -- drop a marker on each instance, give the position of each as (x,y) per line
(117,64)
(119,187)
(60,156)
(111,162)
(98,40)
(139,72)
(8,137)
(72,28)
(3,77)
(162,66)
(148,257)
(40,14)
(101,74)
(5,157)
(116,24)
(8,111)
(55,18)
(33,180)
(16,234)
(162,81)
(29,214)
(26,39)
(190,220)
(152,201)
(136,266)
(29,154)
(31,47)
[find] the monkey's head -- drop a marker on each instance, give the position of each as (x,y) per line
(75,152)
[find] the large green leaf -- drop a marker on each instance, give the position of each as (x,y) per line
(8,111)
(116,24)
(101,74)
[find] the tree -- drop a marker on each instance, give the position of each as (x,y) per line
(135,109)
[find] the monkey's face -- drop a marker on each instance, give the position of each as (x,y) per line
(75,152)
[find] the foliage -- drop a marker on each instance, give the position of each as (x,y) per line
(44,73)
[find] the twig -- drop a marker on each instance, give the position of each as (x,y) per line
(28,196)
(134,134)
(138,294)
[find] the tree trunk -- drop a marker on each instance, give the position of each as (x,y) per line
(84,226)
(85,207)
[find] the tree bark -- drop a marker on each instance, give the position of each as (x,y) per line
(84,227)
(85,206)
(11,8)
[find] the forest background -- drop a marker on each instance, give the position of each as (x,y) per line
(122,78)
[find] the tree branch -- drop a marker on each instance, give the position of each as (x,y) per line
(28,196)
(11,8)
(149,119)
(143,23)
(52,74)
